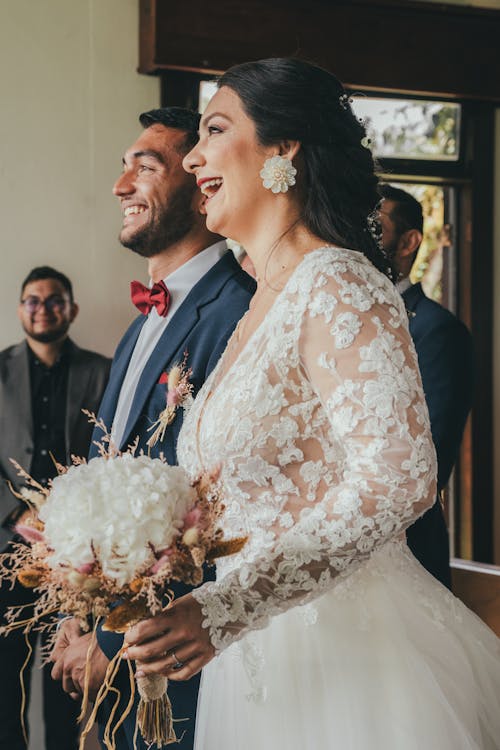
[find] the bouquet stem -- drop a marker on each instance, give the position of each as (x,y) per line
(154,714)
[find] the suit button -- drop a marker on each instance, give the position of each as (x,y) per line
(29,451)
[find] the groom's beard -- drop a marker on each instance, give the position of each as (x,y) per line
(165,227)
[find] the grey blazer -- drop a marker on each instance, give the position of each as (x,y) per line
(87,378)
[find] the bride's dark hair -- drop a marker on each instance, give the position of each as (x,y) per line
(288,99)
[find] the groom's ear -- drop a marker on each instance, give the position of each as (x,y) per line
(289,149)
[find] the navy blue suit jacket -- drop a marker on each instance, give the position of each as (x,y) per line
(201,327)
(445,358)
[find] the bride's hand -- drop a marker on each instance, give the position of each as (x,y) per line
(173,643)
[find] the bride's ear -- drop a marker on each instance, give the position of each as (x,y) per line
(289,149)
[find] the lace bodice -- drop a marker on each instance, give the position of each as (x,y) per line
(323,436)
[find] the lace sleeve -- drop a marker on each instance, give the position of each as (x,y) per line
(351,440)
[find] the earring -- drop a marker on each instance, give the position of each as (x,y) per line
(278,174)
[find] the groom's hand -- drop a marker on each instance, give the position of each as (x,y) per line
(69,630)
(70,664)
(173,643)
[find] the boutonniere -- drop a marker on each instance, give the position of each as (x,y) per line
(179,392)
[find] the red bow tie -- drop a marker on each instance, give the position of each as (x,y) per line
(144,299)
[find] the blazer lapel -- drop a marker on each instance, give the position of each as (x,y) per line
(120,363)
(78,378)
(18,393)
(178,329)
(412,296)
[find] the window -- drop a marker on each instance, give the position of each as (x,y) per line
(207,90)
(411,128)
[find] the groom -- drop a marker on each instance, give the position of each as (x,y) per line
(198,293)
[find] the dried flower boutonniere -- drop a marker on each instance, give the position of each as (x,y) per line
(179,393)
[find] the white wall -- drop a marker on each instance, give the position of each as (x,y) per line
(70,97)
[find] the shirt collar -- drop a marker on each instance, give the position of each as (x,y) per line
(197,266)
(403,284)
(62,358)
(183,279)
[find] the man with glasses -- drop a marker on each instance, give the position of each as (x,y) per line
(45,381)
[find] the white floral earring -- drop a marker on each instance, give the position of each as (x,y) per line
(278,174)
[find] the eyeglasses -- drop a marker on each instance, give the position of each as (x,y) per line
(53,303)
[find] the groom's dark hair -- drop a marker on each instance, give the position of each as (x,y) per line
(407,212)
(177,118)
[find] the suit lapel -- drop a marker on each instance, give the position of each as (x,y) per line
(18,392)
(178,329)
(78,378)
(120,363)
(412,296)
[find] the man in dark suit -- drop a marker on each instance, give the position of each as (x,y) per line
(445,358)
(44,383)
(208,292)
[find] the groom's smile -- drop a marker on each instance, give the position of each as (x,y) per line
(154,191)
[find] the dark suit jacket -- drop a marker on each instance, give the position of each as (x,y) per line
(445,358)
(87,377)
(201,327)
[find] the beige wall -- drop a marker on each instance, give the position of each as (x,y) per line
(70,96)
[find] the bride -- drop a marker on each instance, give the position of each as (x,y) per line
(326,632)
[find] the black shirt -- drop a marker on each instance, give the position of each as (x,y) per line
(49,387)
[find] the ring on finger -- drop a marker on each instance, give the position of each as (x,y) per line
(178,664)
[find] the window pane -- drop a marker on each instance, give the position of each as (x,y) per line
(207,90)
(410,128)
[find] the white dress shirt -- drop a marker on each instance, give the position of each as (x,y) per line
(403,284)
(179,284)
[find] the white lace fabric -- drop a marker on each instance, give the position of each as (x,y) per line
(323,437)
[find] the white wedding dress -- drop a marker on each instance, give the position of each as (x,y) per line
(330,635)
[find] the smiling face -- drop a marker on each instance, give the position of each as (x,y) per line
(227,161)
(155,193)
(46,311)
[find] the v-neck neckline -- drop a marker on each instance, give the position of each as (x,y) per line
(258,330)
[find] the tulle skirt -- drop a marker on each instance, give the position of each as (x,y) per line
(386,660)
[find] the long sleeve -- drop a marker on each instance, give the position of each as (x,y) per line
(338,457)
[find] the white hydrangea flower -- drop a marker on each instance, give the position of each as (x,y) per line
(116,511)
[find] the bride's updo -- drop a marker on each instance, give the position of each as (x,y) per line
(289,99)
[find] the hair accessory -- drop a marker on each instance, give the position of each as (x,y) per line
(345,101)
(375,228)
(278,174)
(366,142)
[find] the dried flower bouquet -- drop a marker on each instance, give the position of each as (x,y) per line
(119,528)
